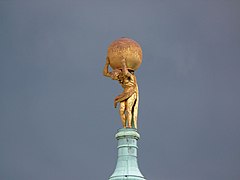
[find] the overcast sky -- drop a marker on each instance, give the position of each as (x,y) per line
(57,120)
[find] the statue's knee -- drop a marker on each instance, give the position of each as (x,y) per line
(128,111)
(121,110)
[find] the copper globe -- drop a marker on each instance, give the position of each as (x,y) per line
(125,48)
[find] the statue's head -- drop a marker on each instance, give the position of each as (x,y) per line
(115,74)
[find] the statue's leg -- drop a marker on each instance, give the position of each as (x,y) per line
(122,113)
(129,107)
(135,112)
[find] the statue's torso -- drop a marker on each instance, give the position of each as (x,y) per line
(129,83)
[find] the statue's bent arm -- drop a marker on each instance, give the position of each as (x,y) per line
(124,68)
(105,69)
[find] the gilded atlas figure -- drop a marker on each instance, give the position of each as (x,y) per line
(125,56)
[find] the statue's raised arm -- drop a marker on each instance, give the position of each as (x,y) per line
(124,68)
(105,69)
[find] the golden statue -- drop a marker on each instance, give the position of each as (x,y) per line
(125,56)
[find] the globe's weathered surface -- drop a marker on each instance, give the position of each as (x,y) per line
(125,48)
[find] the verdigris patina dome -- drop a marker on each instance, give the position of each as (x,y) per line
(125,48)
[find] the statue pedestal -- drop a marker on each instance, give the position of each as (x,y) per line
(127,166)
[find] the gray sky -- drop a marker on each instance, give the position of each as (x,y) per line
(57,119)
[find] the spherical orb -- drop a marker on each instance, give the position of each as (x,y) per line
(125,48)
